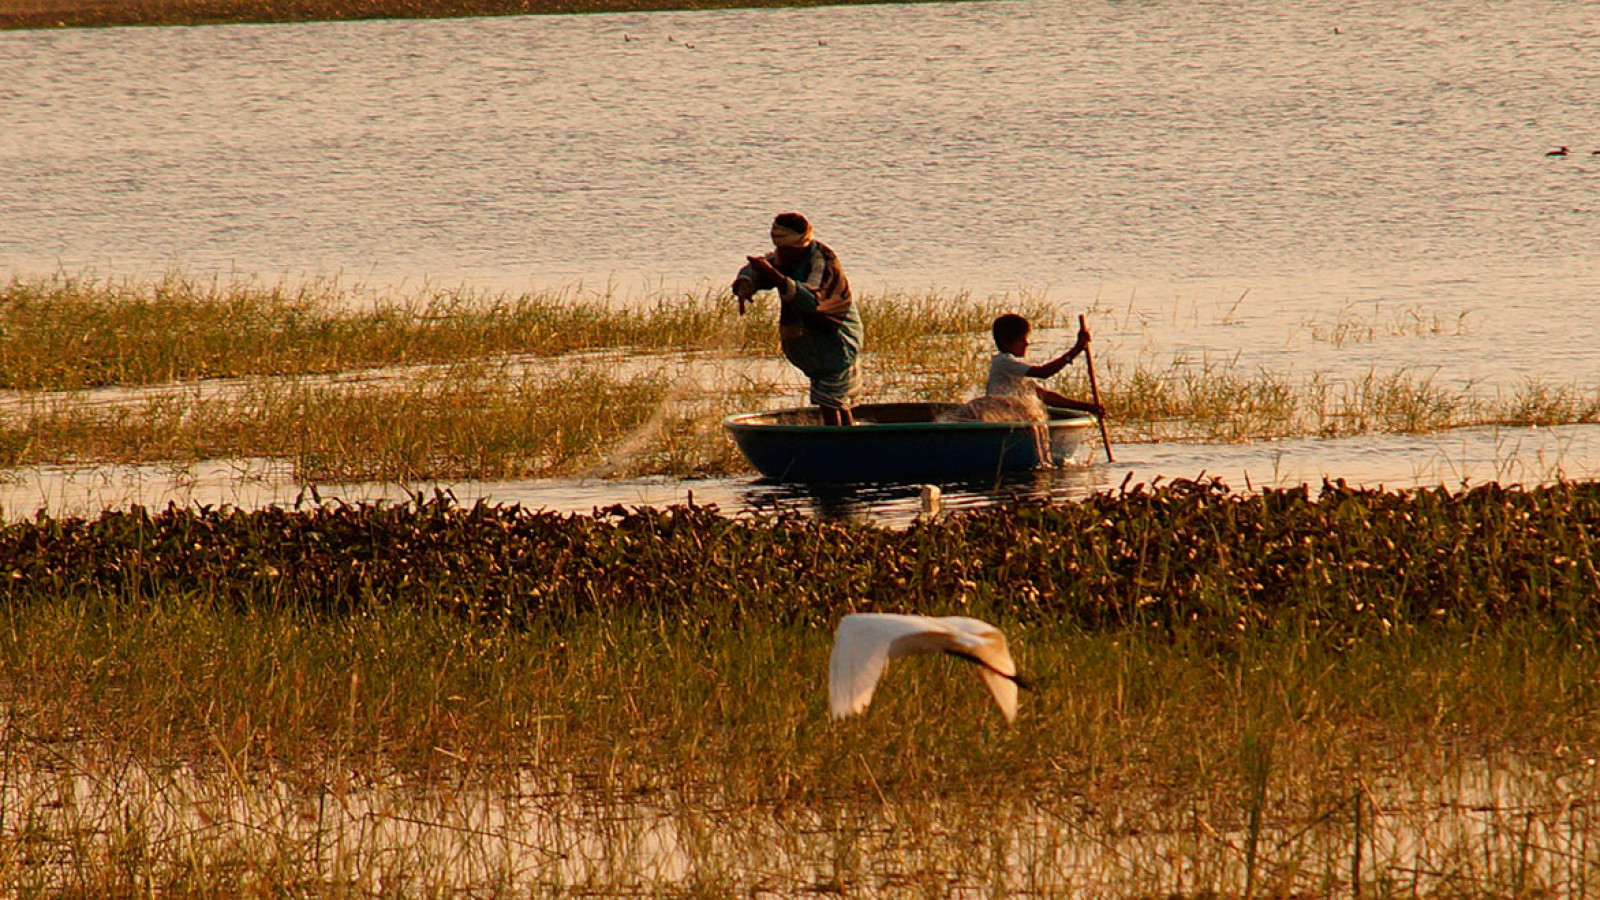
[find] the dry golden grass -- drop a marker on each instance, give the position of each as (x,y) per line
(454,385)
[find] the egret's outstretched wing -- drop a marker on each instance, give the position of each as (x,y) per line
(986,645)
(1004,691)
(862,646)
(982,641)
(864,643)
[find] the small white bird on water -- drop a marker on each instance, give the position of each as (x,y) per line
(864,643)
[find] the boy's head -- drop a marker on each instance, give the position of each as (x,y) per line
(1011,333)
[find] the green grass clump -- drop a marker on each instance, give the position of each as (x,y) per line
(1192,559)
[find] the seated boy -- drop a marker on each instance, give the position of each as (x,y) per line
(1009,370)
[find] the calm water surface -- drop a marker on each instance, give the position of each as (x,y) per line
(1339,187)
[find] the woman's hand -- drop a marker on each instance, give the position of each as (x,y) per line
(744,290)
(760,264)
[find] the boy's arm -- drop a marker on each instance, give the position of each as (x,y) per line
(1054,365)
(1062,361)
(1051,398)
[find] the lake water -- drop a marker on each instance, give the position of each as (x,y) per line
(1337,187)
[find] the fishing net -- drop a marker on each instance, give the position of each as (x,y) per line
(1007,409)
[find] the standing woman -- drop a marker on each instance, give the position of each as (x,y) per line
(817,324)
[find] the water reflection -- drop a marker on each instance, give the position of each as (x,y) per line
(1459,826)
(899,503)
(85,491)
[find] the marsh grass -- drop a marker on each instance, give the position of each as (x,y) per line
(1220,401)
(65,333)
(1352,325)
(185,746)
(1237,692)
(1538,403)
(462,425)
(457,385)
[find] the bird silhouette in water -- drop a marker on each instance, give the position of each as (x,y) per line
(1559,151)
(864,643)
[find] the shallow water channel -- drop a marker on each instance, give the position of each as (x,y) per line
(1454,459)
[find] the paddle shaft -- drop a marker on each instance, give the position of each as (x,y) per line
(1094,392)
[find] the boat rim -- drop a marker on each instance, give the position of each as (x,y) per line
(1072,419)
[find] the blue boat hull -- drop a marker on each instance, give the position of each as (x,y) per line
(899,442)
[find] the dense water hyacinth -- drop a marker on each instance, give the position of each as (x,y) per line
(1190,556)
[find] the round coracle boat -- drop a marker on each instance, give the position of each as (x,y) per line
(912,442)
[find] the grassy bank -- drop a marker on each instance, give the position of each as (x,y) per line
(1264,695)
(64,334)
(69,334)
(102,13)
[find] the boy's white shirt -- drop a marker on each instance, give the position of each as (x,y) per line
(1008,377)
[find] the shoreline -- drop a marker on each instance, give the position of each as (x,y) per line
(52,14)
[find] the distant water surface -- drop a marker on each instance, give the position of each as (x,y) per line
(1313,151)
(1300,186)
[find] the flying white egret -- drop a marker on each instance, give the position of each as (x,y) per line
(864,643)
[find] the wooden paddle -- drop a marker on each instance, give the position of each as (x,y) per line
(1094,391)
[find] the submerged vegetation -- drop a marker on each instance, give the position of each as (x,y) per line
(460,385)
(1286,693)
